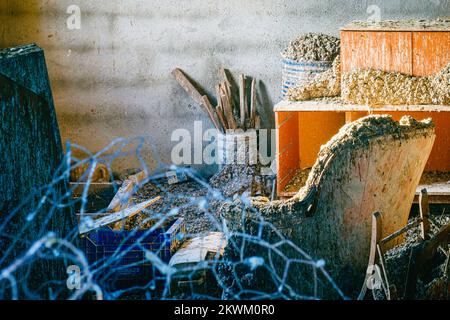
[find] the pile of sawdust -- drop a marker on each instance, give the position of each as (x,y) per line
(298,180)
(325,84)
(239,179)
(376,87)
(312,47)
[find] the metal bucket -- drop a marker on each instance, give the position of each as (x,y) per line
(298,73)
(237,148)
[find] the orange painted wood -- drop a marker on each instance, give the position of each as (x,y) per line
(419,53)
(287,147)
(388,51)
(431,52)
(315,129)
(352,116)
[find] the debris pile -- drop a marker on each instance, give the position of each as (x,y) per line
(398,259)
(376,87)
(325,84)
(235,179)
(312,47)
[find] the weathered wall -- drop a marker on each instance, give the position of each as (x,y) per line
(112,77)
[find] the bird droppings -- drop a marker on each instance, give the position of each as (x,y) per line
(376,87)
(325,84)
(312,47)
(440,24)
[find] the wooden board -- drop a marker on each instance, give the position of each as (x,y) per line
(338,106)
(388,51)
(438,193)
(87,225)
(416,52)
(315,129)
(431,52)
(287,147)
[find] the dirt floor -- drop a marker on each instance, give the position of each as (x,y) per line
(185,196)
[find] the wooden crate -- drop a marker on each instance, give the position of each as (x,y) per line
(414,51)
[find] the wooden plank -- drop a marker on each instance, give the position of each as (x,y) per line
(187,85)
(376,230)
(77,188)
(388,51)
(227,108)
(211,113)
(438,193)
(431,52)
(286,148)
(424,214)
(253,103)
(32,158)
(221,117)
(123,195)
(338,106)
(243,101)
(86,225)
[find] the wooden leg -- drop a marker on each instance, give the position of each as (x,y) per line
(424,214)
(375,239)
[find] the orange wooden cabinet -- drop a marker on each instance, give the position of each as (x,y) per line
(418,52)
(302,127)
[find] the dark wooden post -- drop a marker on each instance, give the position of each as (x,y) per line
(424,214)
(31,153)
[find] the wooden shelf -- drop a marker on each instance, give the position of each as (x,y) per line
(437,193)
(337,106)
(399,26)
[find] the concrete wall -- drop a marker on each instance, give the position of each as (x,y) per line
(112,77)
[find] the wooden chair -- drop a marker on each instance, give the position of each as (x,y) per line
(372,165)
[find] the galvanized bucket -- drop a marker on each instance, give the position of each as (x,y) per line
(298,73)
(237,148)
